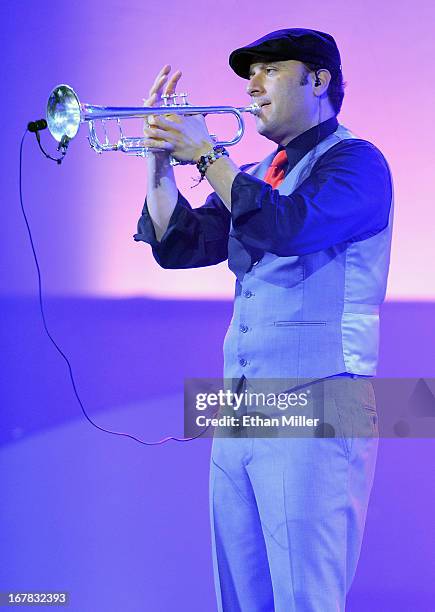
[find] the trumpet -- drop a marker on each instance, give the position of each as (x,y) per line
(65,113)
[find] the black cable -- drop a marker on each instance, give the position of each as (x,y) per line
(53,341)
(41,124)
(58,160)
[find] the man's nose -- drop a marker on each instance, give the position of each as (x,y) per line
(255,86)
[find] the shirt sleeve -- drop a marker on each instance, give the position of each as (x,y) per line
(194,237)
(346,197)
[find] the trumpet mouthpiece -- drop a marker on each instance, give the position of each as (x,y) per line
(254,109)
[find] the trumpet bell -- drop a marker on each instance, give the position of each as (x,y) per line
(63,112)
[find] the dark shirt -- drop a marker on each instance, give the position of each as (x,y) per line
(299,146)
(345,198)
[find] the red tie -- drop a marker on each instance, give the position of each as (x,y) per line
(275,173)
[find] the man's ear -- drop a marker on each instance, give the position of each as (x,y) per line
(320,80)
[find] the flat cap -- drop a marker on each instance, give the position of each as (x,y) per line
(310,46)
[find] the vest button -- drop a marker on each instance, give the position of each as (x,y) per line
(248,293)
(243,329)
(243,362)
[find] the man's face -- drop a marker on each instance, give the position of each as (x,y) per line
(287,107)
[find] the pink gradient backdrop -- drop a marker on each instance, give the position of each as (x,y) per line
(84,214)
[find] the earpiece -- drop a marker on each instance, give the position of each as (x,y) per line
(317,82)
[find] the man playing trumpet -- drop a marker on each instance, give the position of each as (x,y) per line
(307,234)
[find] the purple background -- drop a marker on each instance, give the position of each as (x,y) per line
(122,526)
(84,214)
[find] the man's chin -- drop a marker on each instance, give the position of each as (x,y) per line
(263,129)
(261,126)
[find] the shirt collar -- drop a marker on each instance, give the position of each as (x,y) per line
(302,144)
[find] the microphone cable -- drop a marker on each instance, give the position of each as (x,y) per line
(35,127)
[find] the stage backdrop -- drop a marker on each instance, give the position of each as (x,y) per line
(121,526)
(84,213)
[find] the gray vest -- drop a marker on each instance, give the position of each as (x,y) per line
(312,315)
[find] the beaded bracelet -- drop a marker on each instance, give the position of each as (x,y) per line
(209,158)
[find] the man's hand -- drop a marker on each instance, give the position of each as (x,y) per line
(186,138)
(161,86)
(156,91)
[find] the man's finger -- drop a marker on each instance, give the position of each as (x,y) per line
(165,122)
(172,84)
(158,86)
(153,120)
(153,143)
(154,96)
(150,101)
(160,79)
(155,133)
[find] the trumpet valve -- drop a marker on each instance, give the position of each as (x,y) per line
(173,99)
(183,97)
(170,99)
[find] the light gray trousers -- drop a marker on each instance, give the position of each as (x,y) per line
(288,513)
